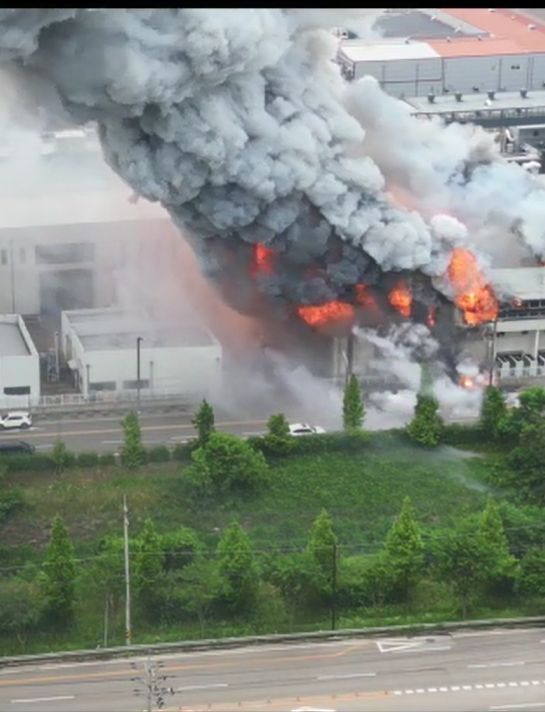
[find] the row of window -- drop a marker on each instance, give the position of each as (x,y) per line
(55,254)
(17,391)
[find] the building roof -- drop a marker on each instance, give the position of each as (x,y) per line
(408,22)
(522,282)
(476,47)
(365,51)
(12,342)
(447,103)
(117,329)
(502,22)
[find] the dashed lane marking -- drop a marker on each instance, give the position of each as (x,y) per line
(29,700)
(477,686)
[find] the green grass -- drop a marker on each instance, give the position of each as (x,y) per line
(363,492)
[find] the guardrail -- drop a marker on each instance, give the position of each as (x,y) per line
(409,629)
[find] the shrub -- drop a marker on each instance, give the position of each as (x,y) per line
(106,459)
(159,453)
(458,434)
(277,441)
(10,501)
(62,457)
(182,451)
(87,459)
(531,573)
(32,463)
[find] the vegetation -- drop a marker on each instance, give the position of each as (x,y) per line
(353,410)
(278,440)
(426,426)
(493,412)
(133,453)
(57,579)
(203,422)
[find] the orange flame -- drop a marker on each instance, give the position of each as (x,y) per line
(364,297)
(332,312)
(472,295)
(263,259)
(400,298)
(431,321)
(466,381)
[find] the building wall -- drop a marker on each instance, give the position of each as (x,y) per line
(20,371)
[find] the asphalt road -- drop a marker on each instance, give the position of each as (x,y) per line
(470,671)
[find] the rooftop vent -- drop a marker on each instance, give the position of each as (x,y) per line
(491,95)
(524,93)
(491,9)
(458,95)
(431,98)
(448,39)
(531,27)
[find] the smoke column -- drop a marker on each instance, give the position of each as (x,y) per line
(240,124)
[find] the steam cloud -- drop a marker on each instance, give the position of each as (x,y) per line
(240,124)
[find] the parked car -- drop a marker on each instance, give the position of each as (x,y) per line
(16,447)
(297,429)
(16,419)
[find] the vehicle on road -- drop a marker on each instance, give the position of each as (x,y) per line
(16,447)
(297,429)
(16,419)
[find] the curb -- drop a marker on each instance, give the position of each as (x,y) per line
(226,643)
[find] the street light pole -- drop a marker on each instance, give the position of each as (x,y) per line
(127,572)
(138,342)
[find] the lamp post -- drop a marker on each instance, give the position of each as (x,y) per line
(138,342)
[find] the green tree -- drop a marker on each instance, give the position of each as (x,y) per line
(133,453)
(529,414)
(181,548)
(353,410)
(278,440)
(200,586)
(426,426)
(322,545)
(203,422)
(61,457)
(404,552)
(148,567)
(466,560)
(59,575)
(493,411)
(238,570)
(531,573)
(502,565)
(229,464)
(20,608)
(526,463)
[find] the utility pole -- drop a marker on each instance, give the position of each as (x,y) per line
(127,573)
(334,588)
(493,353)
(138,342)
(152,685)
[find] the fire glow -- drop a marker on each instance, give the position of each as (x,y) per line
(334,312)
(401,299)
(467,381)
(431,320)
(472,295)
(263,259)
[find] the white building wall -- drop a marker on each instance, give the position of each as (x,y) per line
(20,371)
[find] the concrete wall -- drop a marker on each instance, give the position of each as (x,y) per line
(20,371)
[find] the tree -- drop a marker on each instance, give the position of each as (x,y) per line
(203,422)
(181,548)
(229,464)
(19,608)
(278,440)
(404,551)
(353,410)
(426,426)
(61,457)
(59,575)
(526,462)
(200,585)
(502,566)
(531,573)
(466,560)
(322,546)
(133,454)
(529,414)
(148,567)
(238,569)
(493,411)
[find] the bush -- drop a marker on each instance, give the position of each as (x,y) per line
(182,451)
(159,453)
(531,574)
(87,459)
(62,457)
(458,434)
(106,459)
(10,501)
(32,463)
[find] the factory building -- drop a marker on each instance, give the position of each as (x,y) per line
(19,364)
(494,50)
(101,349)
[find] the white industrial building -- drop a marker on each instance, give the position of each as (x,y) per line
(19,364)
(100,347)
(488,50)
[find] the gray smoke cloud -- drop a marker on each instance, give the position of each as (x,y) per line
(239,123)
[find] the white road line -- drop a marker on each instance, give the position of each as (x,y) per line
(521,706)
(44,699)
(347,677)
(111,442)
(426,650)
(492,665)
(201,687)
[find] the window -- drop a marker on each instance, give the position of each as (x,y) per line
(17,390)
(102,386)
(22,255)
(4,257)
(65,253)
(144,383)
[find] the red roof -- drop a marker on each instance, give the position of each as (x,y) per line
(472,47)
(503,24)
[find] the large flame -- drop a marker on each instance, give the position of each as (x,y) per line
(472,294)
(333,312)
(400,298)
(263,259)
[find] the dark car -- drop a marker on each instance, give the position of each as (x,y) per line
(16,447)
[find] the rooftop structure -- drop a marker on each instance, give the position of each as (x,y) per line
(19,364)
(523,283)
(420,24)
(12,342)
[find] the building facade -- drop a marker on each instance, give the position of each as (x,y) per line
(19,364)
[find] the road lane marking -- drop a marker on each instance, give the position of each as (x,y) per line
(492,665)
(187,688)
(408,646)
(478,686)
(58,698)
(520,706)
(347,677)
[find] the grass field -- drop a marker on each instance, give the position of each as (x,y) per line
(363,493)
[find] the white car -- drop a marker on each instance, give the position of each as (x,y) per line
(297,429)
(16,419)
